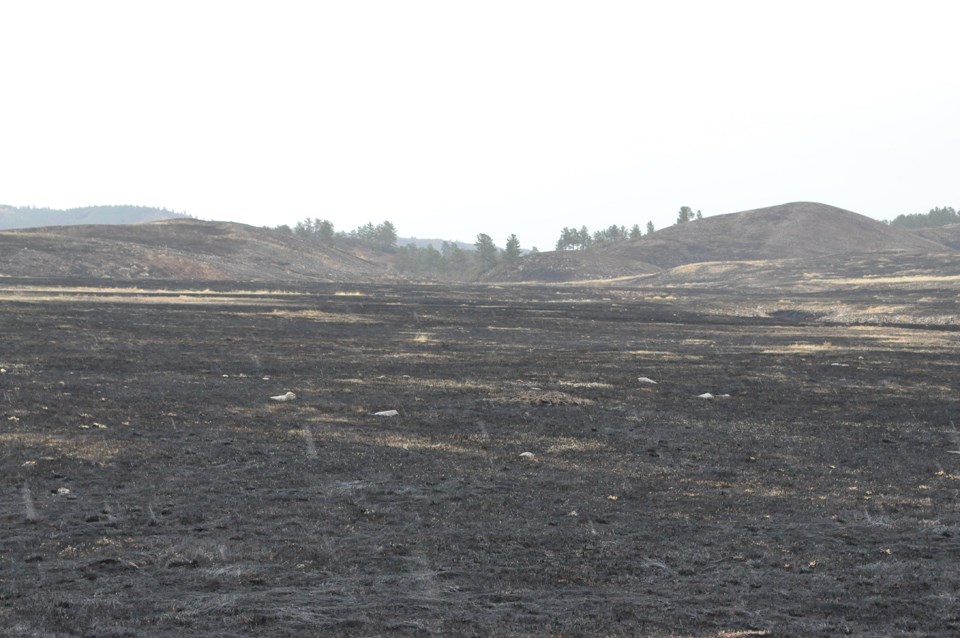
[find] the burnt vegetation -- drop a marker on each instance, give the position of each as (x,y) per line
(530,483)
(260,432)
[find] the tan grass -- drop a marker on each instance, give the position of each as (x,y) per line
(868,280)
(585,384)
(456,384)
(665,355)
(320,317)
(135,290)
(802,348)
(77,447)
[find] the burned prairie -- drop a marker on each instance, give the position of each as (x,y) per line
(152,487)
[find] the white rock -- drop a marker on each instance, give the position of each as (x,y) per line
(289,396)
(527,455)
(62,491)
(705,395)
(387,413)
(647,380)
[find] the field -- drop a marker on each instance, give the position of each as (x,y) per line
(529,485)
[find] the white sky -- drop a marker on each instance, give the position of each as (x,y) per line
(452,118)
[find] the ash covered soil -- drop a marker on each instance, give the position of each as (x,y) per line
(151,488)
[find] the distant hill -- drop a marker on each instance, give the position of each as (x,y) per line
(29,217)
(177,249)
(796,230)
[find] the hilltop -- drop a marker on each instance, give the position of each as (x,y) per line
(177,249)
(787,231)
(28,217)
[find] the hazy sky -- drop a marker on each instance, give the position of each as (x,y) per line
(454,118)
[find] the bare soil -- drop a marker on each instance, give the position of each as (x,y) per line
(151,488)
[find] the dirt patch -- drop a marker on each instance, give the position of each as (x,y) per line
(529,484)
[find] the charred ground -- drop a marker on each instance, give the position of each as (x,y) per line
(818,498)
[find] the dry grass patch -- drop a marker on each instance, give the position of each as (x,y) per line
(456,384)
(548,397)
(871,281)
(585,384)
(93,451)
(925,339)
(321,317)
(803,348)
(665,355)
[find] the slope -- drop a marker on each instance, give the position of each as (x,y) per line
(787,231)
(176,249)
(948,235)
(800,229)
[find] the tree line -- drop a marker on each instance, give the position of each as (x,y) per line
(382,236)
(449,262)
(453,262)
(936,217)
(572,238)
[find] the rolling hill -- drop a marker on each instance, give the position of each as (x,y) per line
(738,246)
(177,249)
(788,231)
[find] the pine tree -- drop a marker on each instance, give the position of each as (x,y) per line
(486,251)
(512,251)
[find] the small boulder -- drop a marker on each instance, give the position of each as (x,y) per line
(289,396)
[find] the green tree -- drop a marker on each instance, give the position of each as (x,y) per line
(699,214)
(685,215)
(650,228)
(635,232)
(936,217)
(511,252)
(569,238)
(385,236)
(585,238)
(325,232)
(486,251)
(455,259)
